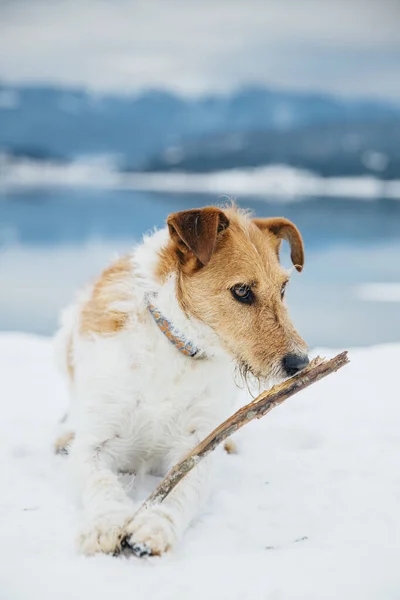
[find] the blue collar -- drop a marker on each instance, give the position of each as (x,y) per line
(180,342)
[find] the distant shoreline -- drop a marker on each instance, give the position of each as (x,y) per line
(278,181)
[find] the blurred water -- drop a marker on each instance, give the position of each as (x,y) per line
(53,241)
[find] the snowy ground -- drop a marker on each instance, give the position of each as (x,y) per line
(308,509)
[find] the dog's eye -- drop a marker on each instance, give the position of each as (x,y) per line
(283,290)
(243,293)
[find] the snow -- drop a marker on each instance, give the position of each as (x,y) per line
(308,508)
(279,181)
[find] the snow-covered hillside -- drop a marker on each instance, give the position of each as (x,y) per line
(308,508)
(274,181)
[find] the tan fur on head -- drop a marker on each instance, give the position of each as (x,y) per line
(214,250)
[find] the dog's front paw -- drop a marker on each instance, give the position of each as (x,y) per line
(103,534)
(150,533)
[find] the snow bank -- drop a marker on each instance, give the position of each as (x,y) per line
(278,181)
(308,509)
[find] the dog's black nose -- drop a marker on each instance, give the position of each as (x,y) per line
(293,363)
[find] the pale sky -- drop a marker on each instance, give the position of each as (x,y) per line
(348,47)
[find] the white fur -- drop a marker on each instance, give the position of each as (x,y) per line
(138,404)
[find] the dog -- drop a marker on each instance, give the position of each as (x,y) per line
(150,354)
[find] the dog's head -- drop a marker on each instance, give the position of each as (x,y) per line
(230,278)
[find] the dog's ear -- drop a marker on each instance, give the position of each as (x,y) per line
(195,232)
(285,230)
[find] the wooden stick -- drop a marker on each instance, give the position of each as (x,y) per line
(316,370)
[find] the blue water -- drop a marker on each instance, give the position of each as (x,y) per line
(53,241)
